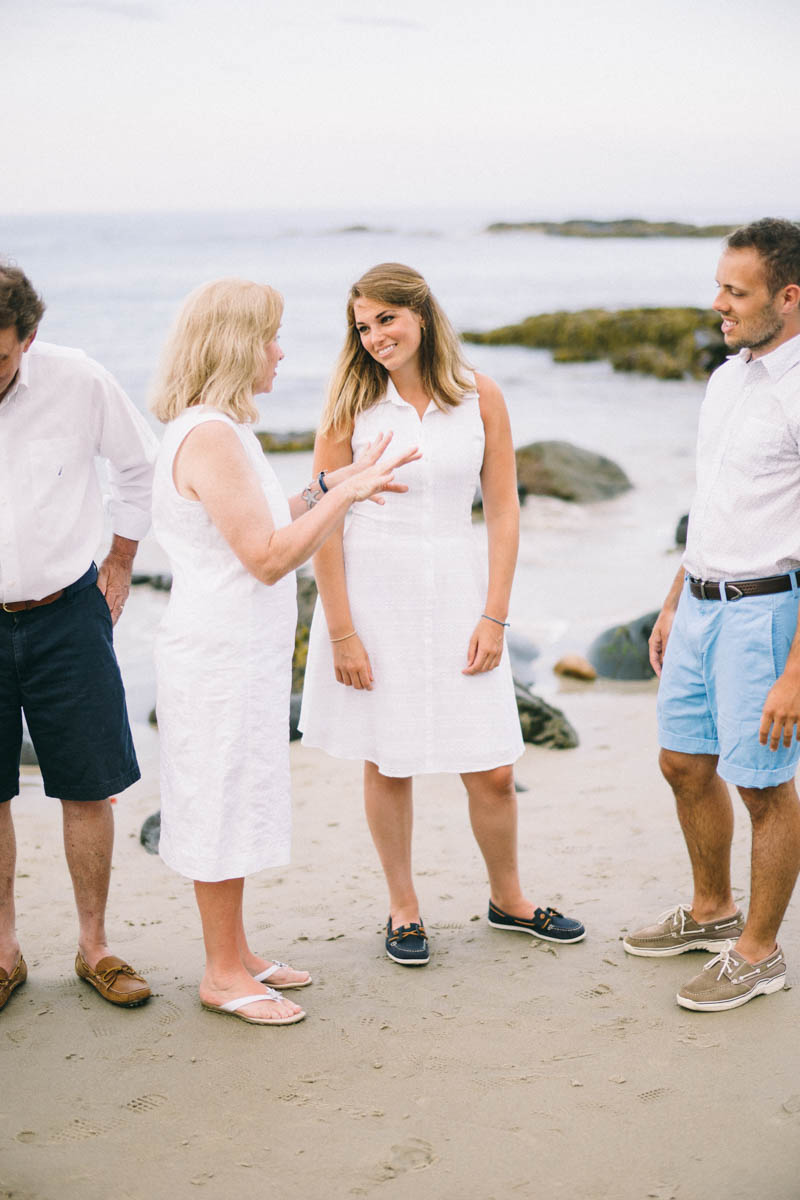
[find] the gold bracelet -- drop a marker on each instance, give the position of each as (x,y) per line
(344,637)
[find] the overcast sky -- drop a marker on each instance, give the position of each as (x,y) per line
(514,107)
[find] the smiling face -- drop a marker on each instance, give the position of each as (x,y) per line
(751,316)
(11,352)
(272,356)
(389,333)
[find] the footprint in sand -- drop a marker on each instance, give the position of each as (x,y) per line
(414,1154)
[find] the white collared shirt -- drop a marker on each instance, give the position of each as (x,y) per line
(745,517)
(64,410)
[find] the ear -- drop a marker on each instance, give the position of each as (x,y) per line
(26,345)
(791,297)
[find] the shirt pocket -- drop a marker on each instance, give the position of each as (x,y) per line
(53,464)
(756,447)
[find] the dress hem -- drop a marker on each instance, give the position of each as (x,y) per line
(393,771)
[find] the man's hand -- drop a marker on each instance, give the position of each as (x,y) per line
(781,712)
(659,637)
(114,574)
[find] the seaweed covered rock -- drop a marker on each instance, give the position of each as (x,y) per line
(543,725)
(569,472)
(667,342)
(622,652)
(150,833)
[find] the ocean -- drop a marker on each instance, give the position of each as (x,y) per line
(113,283)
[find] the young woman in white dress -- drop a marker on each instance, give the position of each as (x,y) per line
(407,663)
(224,649)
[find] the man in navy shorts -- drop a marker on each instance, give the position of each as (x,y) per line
(58,411)
(727,637)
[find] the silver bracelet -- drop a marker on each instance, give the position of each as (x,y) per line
(311,494)
(486,617)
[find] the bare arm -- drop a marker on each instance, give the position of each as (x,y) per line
(211,466)
(350,660)
(501,512)
(661,630)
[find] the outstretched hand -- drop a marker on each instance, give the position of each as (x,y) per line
(368,477)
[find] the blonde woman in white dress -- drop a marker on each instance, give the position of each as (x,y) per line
(407,663)
(224,649)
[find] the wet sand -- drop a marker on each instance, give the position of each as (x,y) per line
(507,1067)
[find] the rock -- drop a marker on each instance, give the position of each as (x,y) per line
(150,834)
(522,654)
(152,718)
(543,725)
(294,715)
(285,443)
(569,472)
(575,667)
(622,652)
(161,583)
(306,600)
(27,757)
(666,342)
(681,531)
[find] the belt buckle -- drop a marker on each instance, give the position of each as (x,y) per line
(733,588)
(6,609)
(702,583)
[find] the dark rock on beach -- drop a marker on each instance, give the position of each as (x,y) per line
(543,725)
(622,652)
(150,833)
(666,342)
(682,530)
(569,472)
(161,583)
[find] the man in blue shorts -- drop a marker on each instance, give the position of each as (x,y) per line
(727,636)
(58,410)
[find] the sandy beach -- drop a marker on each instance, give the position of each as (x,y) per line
(507,1067)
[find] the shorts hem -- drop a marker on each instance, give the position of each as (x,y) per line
(755,777)
(100,791)
(687,745)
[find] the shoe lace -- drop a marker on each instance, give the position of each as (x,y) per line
(672,914)
(404,931)
(726,960)
(111,973)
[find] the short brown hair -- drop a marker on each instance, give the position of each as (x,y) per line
(20,305)
(778,243)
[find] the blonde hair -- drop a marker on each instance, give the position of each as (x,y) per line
(359,381)
(215,351)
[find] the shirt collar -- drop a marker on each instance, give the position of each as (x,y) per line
(779,360)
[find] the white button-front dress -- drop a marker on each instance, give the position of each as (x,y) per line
(416,581)
(224,663)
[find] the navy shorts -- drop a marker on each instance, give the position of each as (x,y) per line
(57,665)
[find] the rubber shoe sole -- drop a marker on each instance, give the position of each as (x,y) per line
(408,962)
(763,988)
(711,946)
(563,941)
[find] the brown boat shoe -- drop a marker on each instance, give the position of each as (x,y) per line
(9,982)
(114,980)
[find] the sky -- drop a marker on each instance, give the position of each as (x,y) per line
(515,108)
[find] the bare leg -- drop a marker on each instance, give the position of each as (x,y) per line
(775,861)
(493,815)
(9,946)
(705,813)
(88,843)
(226,976)
(389,807)
(254,964)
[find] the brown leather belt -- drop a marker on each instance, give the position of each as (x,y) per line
(704,589)
(23,605)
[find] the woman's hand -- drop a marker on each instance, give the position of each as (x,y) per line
(381,477)
(485,647)
(351,664)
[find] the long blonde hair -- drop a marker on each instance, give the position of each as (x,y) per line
(215,350)
(359,381)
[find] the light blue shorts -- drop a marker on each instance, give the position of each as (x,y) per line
(722,658)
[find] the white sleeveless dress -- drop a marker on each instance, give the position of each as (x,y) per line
(223,662)
(416,581)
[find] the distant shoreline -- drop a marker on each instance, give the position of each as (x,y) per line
(628,227)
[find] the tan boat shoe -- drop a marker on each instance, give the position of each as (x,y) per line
(114,980)
(9,982)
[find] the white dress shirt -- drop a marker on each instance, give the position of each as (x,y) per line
(745,518)
(64,410)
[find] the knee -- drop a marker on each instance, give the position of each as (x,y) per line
(498,785)
(686,770)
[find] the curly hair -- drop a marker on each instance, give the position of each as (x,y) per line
(20,305)
(778,243)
